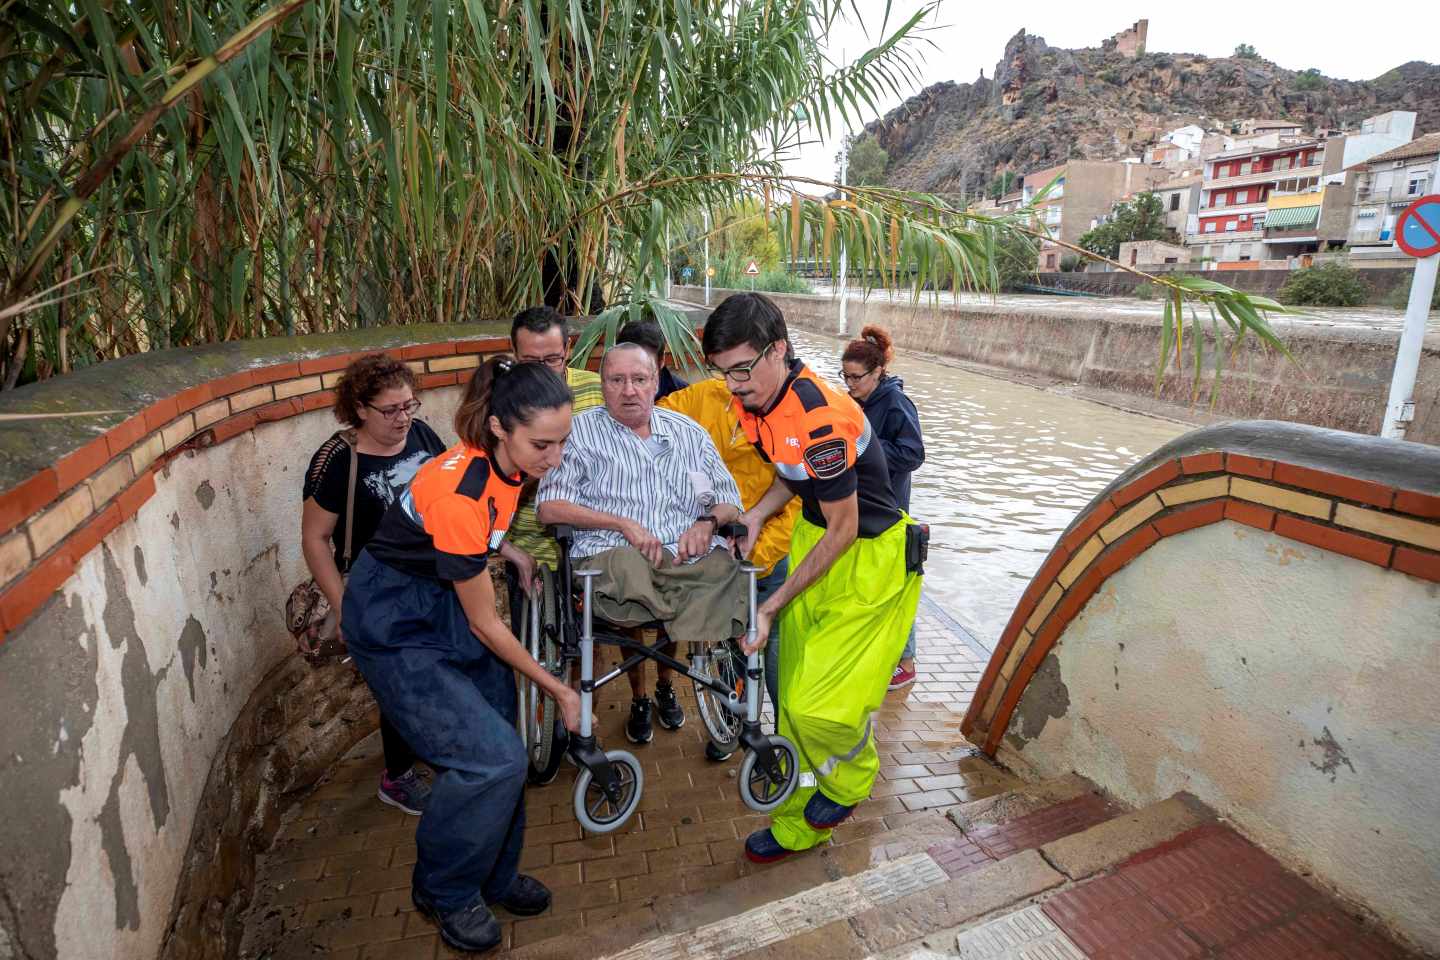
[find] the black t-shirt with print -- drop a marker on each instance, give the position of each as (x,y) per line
(377,483)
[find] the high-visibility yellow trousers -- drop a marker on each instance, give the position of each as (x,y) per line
(839,642)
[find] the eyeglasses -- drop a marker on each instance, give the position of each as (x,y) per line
(740,373)
(394,412)
(555,361)
(856,377)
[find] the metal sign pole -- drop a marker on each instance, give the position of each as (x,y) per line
(1400,408)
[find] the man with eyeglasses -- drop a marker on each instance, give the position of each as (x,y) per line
(854,581)
(646,491)
(540,335)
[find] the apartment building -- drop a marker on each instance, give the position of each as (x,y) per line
(1180,197)
(1083,192)
(1235,199)
(1383,186)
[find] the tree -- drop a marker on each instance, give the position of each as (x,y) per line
(1309,80)
(867,162)
(1246,52)
(195,171)
(1140,219)
(1002,184)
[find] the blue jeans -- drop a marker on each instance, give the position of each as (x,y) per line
(454,702)
(764,587)
(909,652)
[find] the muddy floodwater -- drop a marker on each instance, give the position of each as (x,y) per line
(1007,467)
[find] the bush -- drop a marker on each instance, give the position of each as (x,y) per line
(1309,80)
(1146,290)
(1111,77)
(1246,52)
(1328,285)
(1399,297)
(1070,264)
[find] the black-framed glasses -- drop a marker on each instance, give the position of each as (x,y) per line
(394,411)
(555,361)
(856,377)
(741,371)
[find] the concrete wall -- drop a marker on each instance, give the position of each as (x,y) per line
(153,715)
(1249,614)
(1339,379)
(1292,689)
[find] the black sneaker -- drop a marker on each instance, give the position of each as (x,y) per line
(716,755)
(667,708)
(472,929)
(638,728)
(527,897)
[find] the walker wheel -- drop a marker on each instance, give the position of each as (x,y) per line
(596,812)
(757,789)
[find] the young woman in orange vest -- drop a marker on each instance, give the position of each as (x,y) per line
(419,618)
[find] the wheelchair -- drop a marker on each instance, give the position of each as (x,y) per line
(561,631)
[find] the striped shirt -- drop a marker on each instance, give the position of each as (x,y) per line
(525,531)
(663,484)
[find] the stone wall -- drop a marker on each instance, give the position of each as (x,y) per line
(1338,378)
(153,714)
(1251,615)
(1379,281)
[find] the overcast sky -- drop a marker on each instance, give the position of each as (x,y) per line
(970,36)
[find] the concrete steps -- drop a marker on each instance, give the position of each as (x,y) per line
(1044,871)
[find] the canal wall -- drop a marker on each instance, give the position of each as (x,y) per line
(154,717)
(1337,378)
(1250,614)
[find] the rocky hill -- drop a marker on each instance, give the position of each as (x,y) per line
(1046,105)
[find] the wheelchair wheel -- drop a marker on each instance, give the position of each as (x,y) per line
(544,735)
(722,661)
(595,811)
(759,792)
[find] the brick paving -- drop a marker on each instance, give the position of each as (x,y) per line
(986,843)
(337,880)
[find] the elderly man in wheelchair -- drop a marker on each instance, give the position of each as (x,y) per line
(644,509)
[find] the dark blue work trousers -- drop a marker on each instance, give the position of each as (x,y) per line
(454,702)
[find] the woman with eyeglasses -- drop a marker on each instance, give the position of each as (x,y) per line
(896,423)
(375,400)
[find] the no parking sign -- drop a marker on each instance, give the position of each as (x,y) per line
(1417,232)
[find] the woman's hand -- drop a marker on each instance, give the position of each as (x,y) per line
(526,570)
(569,703)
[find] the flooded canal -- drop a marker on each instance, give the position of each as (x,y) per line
(1007,468)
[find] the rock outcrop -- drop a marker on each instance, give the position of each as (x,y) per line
(1046,105)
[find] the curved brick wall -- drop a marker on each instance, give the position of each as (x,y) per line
(1252,614)
(152,712)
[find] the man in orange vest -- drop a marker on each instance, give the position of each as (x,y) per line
(854,584)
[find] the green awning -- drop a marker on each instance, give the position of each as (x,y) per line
(1292,218)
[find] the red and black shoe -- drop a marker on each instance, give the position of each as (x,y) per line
(762,847)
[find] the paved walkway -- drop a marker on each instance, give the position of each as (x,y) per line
(337,881)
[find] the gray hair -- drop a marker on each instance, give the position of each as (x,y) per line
(633,347)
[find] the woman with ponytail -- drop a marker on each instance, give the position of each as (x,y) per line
(419,617)
(896,423)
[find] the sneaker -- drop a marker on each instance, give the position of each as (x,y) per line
(407,791)
(901,678)
(528,897)
(762,847)
(638,728)
(472,929)
(716,755)
(822,813)
(667,707)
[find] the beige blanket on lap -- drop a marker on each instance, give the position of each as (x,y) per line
(703,601)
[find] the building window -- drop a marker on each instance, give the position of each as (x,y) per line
(1231,225)
(1218,200)
(1209,226)
(1417,185)
(1245,168)
(1242,196)
(1282,163)
(1174,202)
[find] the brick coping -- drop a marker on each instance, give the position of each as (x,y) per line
(1393,525)
(54,516)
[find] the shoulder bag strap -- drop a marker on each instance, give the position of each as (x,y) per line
(351,440)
